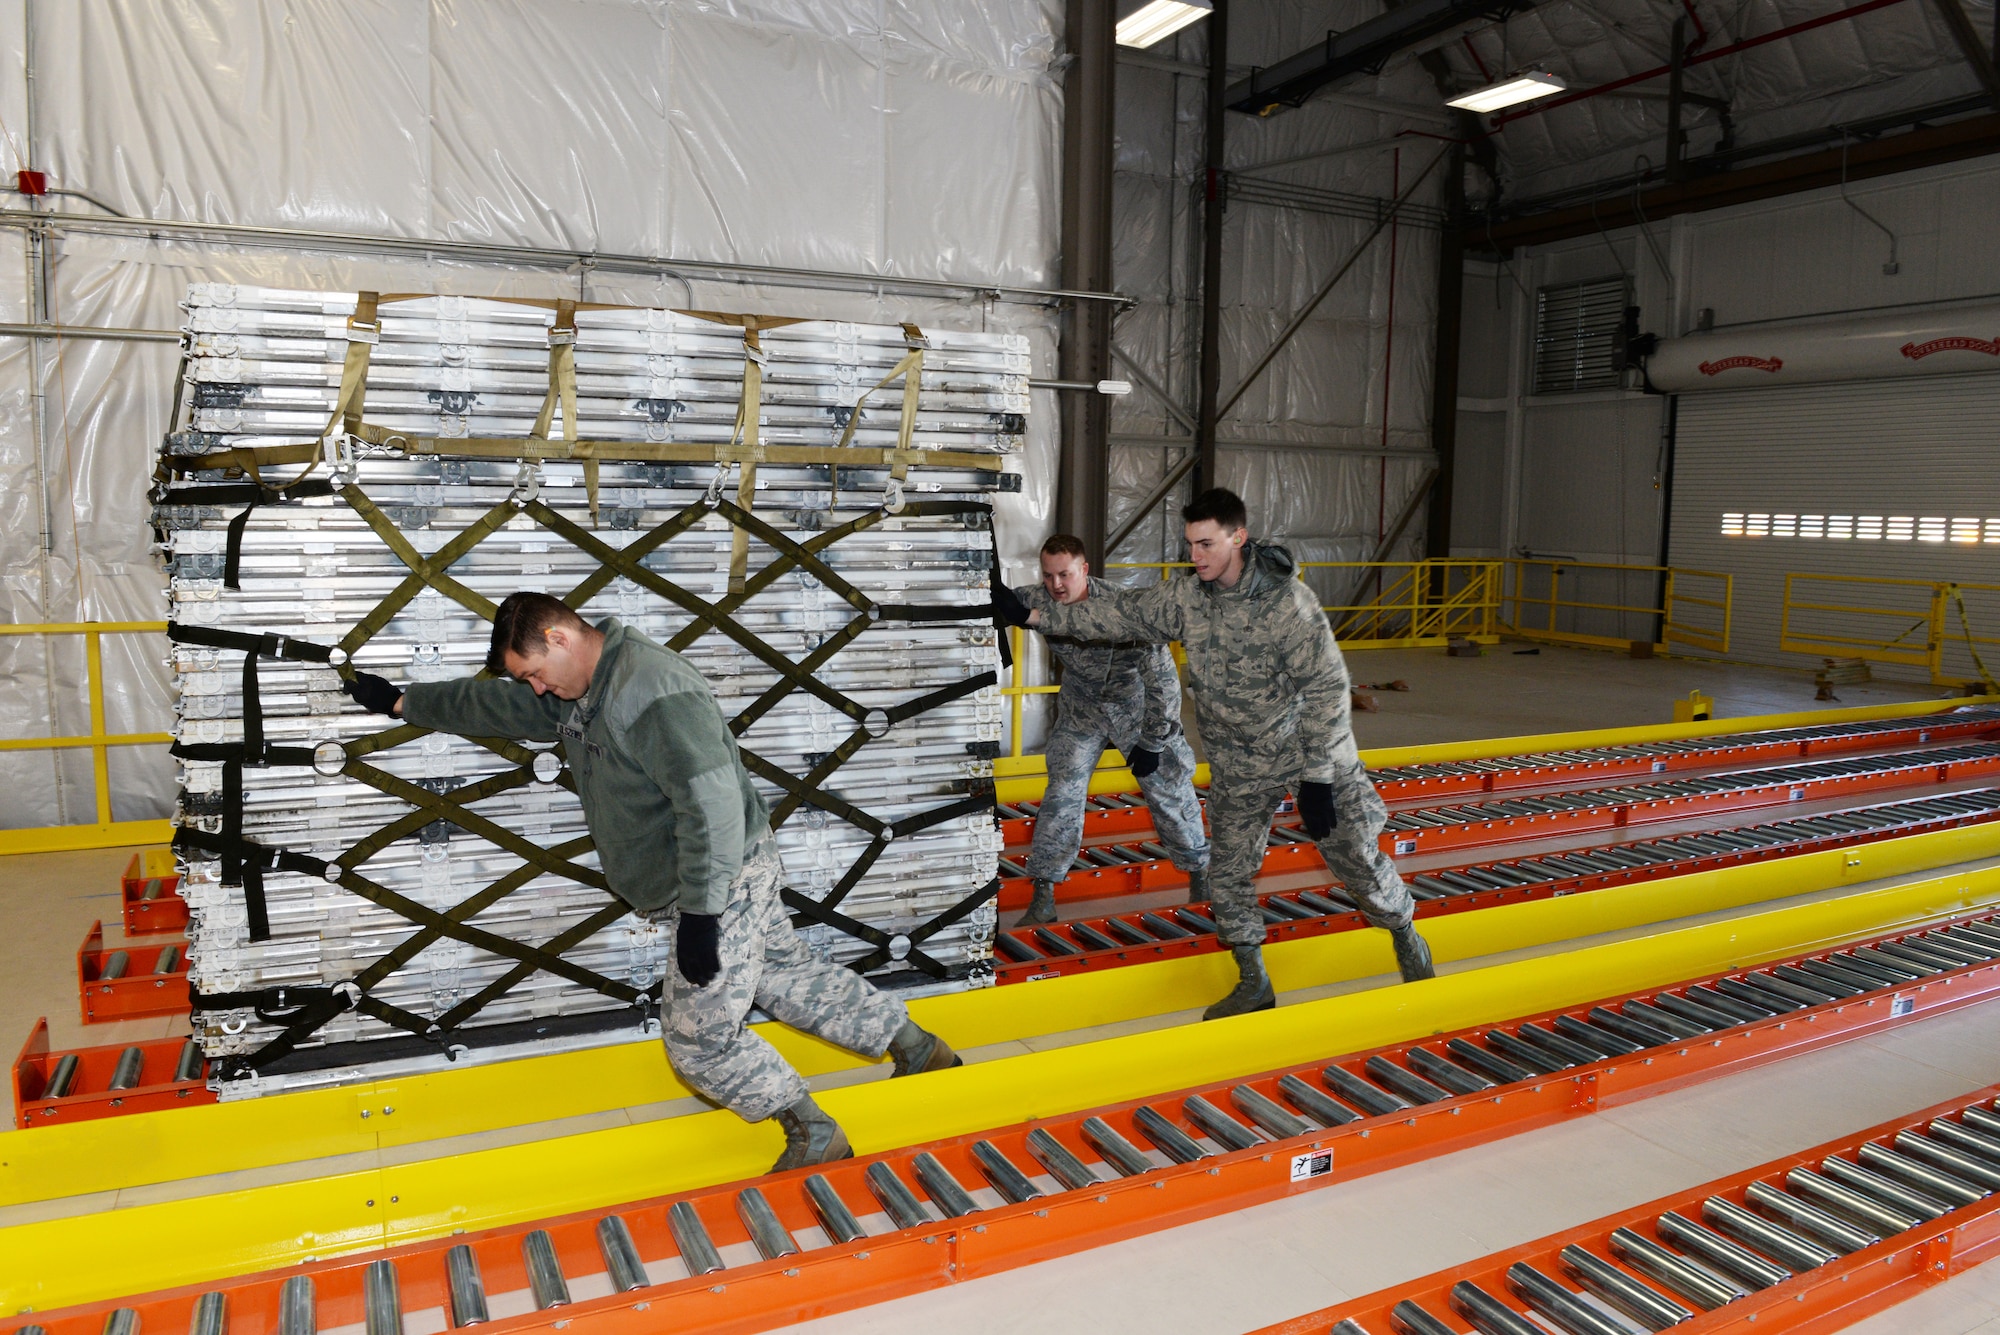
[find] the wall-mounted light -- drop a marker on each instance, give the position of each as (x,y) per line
(1508,92)
(1156,20)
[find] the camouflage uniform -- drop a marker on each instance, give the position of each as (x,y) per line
(1271,695)
(767,965)
(1123,695)
(678,826)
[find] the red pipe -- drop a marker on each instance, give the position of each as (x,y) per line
(1484,73)
(1700,31)
(1854,11)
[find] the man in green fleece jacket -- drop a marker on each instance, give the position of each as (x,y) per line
(685,841)
(1271,694)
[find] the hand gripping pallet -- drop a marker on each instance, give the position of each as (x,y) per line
(1811,1242)
(756,1256)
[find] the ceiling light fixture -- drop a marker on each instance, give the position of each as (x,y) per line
(1511,91)
(1157,20)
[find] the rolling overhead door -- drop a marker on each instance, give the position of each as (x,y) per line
(1864,481)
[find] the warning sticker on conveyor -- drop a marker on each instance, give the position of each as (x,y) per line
(1316,1163)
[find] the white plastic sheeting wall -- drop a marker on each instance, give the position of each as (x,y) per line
(1324,458)
(907,138)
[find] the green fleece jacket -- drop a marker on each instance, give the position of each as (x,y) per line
(666,797)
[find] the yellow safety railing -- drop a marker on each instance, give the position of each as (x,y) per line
(1017,694)
(1417,604)
(1546,600)
(1853,616)
(107,832)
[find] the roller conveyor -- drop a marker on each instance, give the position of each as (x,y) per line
(1074,945)
(1398,783)
(790,1245)
(1419,830)
(1813,1241)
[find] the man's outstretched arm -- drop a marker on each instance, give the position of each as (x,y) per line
(482,707)
(1151,615)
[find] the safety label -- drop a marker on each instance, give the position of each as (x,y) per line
(1404,847)
(1901,1004)
(1798,793)
(1314,1163)
(1659,766)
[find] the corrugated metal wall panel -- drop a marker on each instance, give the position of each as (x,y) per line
(1921,449)
(1479,491)
(1587,495)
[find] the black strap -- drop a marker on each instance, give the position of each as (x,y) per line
(244,861)
(905,612)
(249,495)
(809,910)
(264,646)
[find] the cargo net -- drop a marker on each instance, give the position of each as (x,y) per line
(362,893)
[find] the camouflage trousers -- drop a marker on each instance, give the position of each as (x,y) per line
(1169,791)
(1239,816)
(767,965)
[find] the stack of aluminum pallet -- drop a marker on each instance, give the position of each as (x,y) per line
(264,370)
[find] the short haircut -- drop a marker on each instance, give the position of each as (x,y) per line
(1225,507)
(1064,544)
(519,627)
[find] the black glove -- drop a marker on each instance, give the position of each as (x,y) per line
(1008,609)
(1315,801)
(1144,762)
(377,695)
(695,947)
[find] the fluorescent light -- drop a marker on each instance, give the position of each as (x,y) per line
(1157,20)
(1523,87)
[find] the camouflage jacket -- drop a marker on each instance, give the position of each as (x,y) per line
(1269,684)
(1111,687)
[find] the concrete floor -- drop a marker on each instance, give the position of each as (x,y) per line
(1517,689)
(1258,1266)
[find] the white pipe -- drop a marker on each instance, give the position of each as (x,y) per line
(1938,340)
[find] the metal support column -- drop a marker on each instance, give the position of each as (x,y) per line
(1444,356)
(1677,103)
(1088,84)
(1211,249)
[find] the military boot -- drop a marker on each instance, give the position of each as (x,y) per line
(919,1050)
(811,1137)
(1413,954)
(1198,885)
(1253,988)
(1042,908)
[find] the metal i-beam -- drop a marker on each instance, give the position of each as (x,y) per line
(1358,50)
(1214,203)
(1083,480)
(1925,147)
(1976,55)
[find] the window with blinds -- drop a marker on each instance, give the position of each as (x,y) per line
(1576,335)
